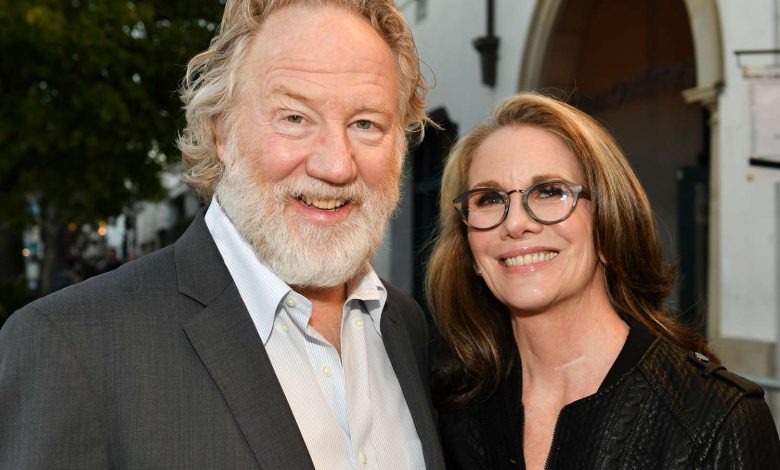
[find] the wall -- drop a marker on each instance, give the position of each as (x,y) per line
(748,216)
(444,40)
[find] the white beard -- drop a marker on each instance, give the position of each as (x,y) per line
(300,253)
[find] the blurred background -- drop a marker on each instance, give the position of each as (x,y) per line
(89,113)
(690,88)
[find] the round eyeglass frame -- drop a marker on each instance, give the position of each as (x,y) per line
(577,191)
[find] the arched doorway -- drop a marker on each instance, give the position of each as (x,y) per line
(628,64)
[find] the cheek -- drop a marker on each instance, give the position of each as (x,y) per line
(379,168)
(380,164)
(580,235)
(275,158)
(478,243)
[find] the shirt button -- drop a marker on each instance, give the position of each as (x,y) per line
(283,328)
(358,323)
(291,302)
(363,457)
(327,371)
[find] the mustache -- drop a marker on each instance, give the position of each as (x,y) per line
(296,188)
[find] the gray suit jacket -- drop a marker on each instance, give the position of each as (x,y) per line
(158,365)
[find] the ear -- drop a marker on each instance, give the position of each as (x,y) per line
(219,136)
(599,253)
(477,270)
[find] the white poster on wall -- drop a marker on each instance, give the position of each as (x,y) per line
(763,85)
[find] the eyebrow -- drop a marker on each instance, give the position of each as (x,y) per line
(286,92)
(534,180)
(372,110)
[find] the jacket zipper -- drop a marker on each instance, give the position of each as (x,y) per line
(552,442)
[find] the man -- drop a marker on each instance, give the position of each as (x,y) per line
(262,338)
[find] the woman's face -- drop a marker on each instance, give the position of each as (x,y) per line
(531,267)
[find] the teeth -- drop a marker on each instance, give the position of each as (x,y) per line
(324,204)
(537,257)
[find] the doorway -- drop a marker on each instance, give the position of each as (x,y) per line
(627,64)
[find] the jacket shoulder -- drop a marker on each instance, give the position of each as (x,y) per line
(710,368)
(128,284)
(700,393)
(747,433)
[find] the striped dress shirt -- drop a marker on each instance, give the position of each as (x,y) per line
(350,408)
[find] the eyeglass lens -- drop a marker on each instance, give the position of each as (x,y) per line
(547,202)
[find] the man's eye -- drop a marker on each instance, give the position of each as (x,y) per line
(295,119)
(364,124)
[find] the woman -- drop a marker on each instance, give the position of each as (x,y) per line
(548,284)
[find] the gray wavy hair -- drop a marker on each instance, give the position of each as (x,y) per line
(210,85)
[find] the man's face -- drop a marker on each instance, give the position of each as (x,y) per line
(312,156)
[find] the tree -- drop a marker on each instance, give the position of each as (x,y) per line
(89,107)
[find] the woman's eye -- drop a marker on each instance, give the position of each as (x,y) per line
(488,199)
(295,119)
(364,124)
(548,191)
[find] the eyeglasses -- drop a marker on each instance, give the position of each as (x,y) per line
(547,202)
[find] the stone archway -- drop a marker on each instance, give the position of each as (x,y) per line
(562,34)
(705,27)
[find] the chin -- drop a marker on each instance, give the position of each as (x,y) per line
(527,301)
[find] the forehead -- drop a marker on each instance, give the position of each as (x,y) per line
(519,155)
(322,43)
(318,31)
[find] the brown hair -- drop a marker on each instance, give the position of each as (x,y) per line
(473,322)
(211,82)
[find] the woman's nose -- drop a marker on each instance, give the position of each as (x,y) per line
(518,221)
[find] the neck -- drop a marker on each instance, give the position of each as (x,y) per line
(571,347)
(335,295)
(327,310)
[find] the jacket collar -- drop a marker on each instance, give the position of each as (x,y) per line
(227,343)
(400,350)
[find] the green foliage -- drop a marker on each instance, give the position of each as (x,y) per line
(88,100)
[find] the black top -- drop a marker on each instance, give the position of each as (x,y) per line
(658,407)
(637,342)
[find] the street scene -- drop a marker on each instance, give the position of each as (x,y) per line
(666,112)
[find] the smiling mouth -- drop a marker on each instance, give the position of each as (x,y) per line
(530,258)
(322,204)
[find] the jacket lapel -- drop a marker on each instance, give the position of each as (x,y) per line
(227,343)
(400,350)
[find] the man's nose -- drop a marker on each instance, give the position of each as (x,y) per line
(333,161)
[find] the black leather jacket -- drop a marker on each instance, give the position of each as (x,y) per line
(659,408)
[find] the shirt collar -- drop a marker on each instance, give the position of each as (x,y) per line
(249,273)
(368,289)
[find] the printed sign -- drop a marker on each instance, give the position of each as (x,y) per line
(764,101)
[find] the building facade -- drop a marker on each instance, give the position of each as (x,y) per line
(666,77)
